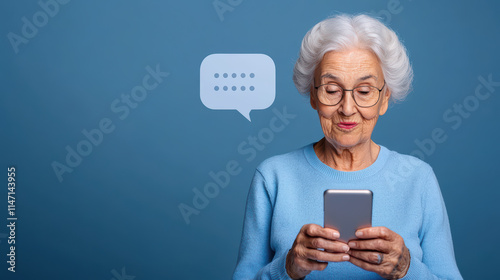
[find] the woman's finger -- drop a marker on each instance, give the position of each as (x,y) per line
(382,269)
(369,256)
(327,245)
(322,256)
(310,250)
(379,245)
(313,230)
(376,232)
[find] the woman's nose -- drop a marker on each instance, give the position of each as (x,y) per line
(347,105)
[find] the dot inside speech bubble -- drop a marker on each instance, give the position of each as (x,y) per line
(242,82)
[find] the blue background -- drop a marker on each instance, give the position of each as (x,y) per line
(119,207)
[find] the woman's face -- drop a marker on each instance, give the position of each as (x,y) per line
(346,125)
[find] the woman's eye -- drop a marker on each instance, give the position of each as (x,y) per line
(363,90)
(332,91)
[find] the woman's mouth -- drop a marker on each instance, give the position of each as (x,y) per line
(347,125)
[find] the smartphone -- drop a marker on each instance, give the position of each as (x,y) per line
(347,211)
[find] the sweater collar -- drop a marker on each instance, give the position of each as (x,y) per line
(371,170)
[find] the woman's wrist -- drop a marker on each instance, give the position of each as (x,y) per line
(403,264)
(289,268)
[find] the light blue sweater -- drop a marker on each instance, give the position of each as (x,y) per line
(287,193)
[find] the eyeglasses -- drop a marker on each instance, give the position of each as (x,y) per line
(364,96)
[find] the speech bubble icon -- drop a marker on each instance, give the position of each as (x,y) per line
(242,82)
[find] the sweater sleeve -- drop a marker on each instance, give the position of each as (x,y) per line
(256,259)
(438,260)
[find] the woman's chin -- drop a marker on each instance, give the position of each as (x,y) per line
(347,141)
(344,142)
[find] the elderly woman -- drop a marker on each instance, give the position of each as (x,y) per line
(352,67)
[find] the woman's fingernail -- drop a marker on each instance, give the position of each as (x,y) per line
(336,235)
(345,258)
(359,233)
(345,248)
(352,244)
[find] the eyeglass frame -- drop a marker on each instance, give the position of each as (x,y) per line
(352,94)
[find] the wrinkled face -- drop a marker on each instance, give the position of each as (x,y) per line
(347,125)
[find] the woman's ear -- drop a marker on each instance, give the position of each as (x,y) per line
(385,102)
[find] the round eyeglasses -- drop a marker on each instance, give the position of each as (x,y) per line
(364,96)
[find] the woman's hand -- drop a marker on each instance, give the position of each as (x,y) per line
(305,255)
(380,250)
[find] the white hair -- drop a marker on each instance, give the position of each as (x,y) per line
(343,32)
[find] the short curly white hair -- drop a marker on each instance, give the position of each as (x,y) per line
(345,31)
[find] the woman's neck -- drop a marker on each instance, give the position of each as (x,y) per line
(347,159)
